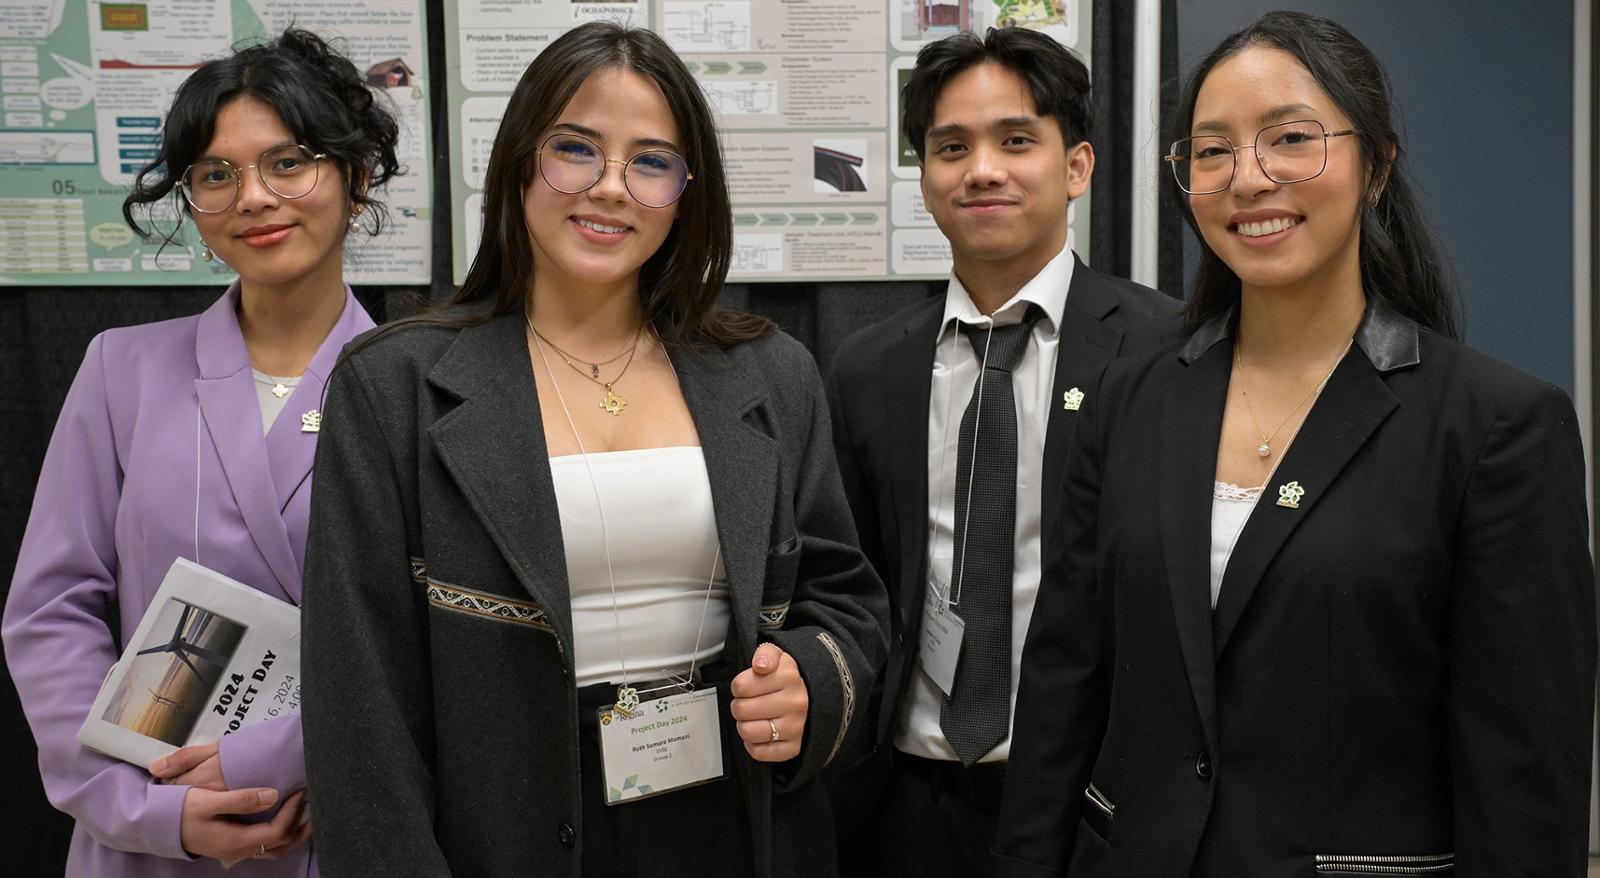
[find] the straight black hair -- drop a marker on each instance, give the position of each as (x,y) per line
(1057,79)
(681,283)
(1402,262)
(322,99)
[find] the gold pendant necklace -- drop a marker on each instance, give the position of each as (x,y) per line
(1264,450)
(611,402)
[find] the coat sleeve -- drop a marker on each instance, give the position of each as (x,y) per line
(59,628)
(1522,695)
(266,754)
(837,626)
(1064,687)
(369,736)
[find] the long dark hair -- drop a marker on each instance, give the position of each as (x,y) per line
(681,283)
(318,94)
(1402,262)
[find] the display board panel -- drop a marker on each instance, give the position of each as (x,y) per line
(84,85)
(807,98)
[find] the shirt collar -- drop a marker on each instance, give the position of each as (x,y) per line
(1047,290)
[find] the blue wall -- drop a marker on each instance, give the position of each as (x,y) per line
(1484,91)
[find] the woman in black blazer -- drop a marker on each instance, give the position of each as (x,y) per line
(583,596)
(1389,669)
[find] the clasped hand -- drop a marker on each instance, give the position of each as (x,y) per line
(770,695)
(210,824)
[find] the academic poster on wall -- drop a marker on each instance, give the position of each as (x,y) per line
(84,85)
(807,100)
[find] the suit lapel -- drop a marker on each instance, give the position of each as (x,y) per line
(290,449)
(232,415)
(1086,344)
(908,379)
(742,465)
(1355,401)
(492,444)
(1191,422)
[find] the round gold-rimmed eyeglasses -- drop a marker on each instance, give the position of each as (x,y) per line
(212,185)
(1288,152)
(572,164)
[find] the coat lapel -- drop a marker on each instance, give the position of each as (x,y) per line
(232,415)
(290,449)
(493,445)
(1191,422)
(725,401)
(1355,401)
(1086,344)
(907,381)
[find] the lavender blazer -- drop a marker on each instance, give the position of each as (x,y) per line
(153,408)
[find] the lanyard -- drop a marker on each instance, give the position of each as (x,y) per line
(952,595)
(627,694)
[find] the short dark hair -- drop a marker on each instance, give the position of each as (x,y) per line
(319,95)
(1402,262)
(681,283)
(1057,79)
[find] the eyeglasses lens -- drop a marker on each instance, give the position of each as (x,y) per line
(287,171)
(572,164)
(1290,152)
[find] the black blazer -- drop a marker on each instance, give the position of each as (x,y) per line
(1399,673)
(441,724)
(878,391)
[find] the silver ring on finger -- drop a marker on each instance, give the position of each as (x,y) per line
(775,736)
(261,851)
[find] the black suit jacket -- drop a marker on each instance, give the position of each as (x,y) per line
(1399,672)
(878,392)
(441,723)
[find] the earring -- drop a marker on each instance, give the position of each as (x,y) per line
(206,254)
(355,222)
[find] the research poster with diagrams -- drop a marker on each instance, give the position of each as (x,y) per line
(84,85)
(807,95)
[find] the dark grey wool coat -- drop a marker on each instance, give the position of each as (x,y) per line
(441,724)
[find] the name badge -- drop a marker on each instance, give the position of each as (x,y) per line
(939,644)
(666,744)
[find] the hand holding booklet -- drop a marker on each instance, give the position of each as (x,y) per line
(210,657)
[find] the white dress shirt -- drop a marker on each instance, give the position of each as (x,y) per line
(955,371)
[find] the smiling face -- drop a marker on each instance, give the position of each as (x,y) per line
(997,177)
(1277,235)
(268,239)
(601,236)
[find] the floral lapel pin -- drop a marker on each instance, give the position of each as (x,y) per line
(311,422)
(1289,495)
(1072,400)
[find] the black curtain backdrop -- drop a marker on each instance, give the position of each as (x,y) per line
(44,330)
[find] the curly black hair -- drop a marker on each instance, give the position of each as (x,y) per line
(320,96)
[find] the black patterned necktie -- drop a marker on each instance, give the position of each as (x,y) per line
(976,716)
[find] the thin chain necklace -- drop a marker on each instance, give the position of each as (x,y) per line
(1265,448)
(594,368)
(611,402)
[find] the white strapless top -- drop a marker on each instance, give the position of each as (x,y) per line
(664,550)
(1231,506)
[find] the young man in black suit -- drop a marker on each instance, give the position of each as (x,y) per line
(949,418)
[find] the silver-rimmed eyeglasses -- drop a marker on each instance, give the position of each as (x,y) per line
(1289,152)
(572,164)
(212,185)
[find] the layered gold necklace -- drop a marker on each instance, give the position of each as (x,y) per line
(610,401)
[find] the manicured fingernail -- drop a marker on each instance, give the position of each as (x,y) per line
(763,662)
(267,797)
(158,766)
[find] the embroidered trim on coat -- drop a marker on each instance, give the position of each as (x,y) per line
(773,616)
(847,686)
(419,571)
(489,606)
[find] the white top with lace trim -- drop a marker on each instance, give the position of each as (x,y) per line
(1230,509)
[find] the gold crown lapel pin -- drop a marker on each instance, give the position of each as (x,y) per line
(1072,400)
(1289,495)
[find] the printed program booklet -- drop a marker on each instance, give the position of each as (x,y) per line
(211,656)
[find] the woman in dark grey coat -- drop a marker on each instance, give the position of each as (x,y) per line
(576,504)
